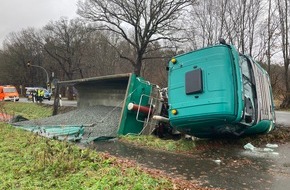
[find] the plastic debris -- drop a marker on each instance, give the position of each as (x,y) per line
(272,145)
(268,150)
(261,152)
(217,161)
(249,146)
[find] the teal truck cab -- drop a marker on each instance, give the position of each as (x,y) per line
(217,91)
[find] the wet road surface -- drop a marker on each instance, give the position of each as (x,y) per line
(283,117)
(234,168)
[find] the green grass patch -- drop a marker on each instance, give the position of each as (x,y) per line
(28,161)
(27,110)
(150,141)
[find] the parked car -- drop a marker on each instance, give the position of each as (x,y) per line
(47,94)
(8,92)
(32,90)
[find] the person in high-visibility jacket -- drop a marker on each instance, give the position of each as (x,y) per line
(40,95)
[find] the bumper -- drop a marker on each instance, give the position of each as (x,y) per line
(11,99)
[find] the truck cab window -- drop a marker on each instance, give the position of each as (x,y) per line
(249,91)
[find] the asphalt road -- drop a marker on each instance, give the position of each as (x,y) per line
(64,101)
(283,118)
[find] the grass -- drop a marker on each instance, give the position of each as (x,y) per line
(27,110)
(29,161)
(278,135)
(154,142)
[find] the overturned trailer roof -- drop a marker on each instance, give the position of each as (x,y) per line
(99,78)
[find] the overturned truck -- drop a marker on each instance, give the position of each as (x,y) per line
(214,91)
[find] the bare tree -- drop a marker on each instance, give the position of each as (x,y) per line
(208,18)
(271,38)
(64,41)
(101,57)
(155,69)
(283,7)
(235,21)
(241,21)
(18,49)
(139,22)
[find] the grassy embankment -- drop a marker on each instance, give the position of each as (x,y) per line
(28,161)
(27,110)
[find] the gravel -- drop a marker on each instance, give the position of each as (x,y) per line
(99,121)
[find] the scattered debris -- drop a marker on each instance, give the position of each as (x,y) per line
(218,161)
(249,146)
(262,151)
(18,118)
(268,150)
(272,145)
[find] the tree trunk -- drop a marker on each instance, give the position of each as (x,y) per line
(56,100)
(138,65)
(286,101)
(283,14)
(269,40)
(70,93)
(137,69)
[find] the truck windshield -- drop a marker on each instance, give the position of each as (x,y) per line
(249,90)
(9,89)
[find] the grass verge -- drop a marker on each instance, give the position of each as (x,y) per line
(154,142)
(29,161)
(32,162)
(27,110)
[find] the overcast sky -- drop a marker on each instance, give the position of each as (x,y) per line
(16,15)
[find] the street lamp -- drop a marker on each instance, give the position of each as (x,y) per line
(47,77)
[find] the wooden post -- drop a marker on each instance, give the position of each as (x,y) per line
(56,99)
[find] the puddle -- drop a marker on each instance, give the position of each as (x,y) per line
(230,169)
